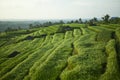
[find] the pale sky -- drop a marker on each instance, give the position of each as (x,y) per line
(58,9)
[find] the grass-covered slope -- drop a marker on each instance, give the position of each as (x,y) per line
(61,52)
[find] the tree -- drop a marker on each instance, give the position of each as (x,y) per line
(61,22)
(72,21)
(30,26)
(95,19)
(76,21)
(80,21)
(8,29)
(50,23)
(68,22)
(19,28)
(93,22)
(115,20)
(106,18)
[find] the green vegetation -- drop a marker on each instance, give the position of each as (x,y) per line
(112,67)
(71,51)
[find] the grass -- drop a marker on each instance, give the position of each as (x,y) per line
(68,34)
(77,33)
(104,36)
(54,64)
(84,53)
(22,68)
(6,67)
(87,63)
(112,68)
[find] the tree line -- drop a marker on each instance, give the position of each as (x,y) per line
(106,19)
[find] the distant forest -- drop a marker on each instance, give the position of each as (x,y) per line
(17,25)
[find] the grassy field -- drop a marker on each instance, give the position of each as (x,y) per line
(61,53)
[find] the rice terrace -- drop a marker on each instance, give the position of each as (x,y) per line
(59,39)
(61,51)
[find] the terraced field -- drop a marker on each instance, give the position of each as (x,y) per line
(75,53)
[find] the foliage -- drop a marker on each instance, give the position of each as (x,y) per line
(112,68)
(61,52)
(106,18)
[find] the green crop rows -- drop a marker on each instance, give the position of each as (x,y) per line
(82,53)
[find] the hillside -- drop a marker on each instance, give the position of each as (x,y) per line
(61,52)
